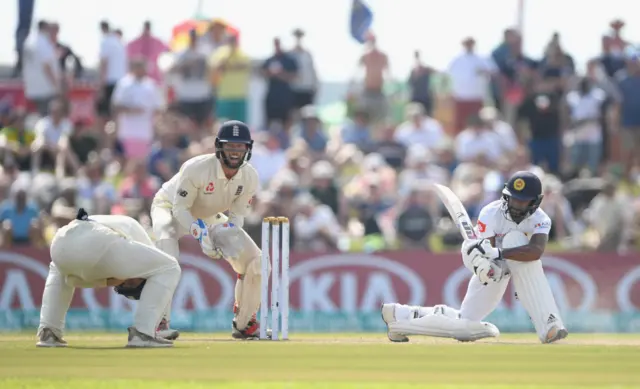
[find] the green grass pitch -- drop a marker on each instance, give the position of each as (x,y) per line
(339,361)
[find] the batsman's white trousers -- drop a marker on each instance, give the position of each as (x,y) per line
(532,289)
(93,252)
(168,231)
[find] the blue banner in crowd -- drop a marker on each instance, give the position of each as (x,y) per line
(361,20)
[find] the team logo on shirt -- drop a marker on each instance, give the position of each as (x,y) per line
(182,193)
(518,184)
(482,227)
(239,190)
(210,188)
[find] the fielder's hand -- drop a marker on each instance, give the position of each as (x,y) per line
(200,232)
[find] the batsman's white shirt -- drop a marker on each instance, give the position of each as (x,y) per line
(493,221)
(480,300)
(201,190)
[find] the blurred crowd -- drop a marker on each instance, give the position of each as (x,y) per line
(363,185)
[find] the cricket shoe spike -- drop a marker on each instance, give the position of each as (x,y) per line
(555,334)
(388,312)
(250,332)
(139,340)
(47,338)
(165,332)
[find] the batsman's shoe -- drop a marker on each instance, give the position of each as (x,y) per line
(165,332)
(48,339)
(139,340)
(555,334)
(389,316)
(250,332)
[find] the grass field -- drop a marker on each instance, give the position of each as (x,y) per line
(336,361)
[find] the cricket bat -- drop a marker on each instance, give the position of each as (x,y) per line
(457,212)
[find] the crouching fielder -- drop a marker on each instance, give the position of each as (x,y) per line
(106,250)
(514,232)
(192,202)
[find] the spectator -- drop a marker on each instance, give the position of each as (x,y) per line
(323,187)
(376,70)
(479,144)
(357,130)
(65,54)
(618,42)
(316,226)
(508,139)
(609,217)
(15,142)
(95,193)
(82,142)
(312,132)
(215,38)
(136,100)
(585,137)
(564,227)
(113,67)
(280,70)
(41,69)
(268,156)
(414,223)
(232,70)
(52,138)
(611,60)
(164,159)
(305,85)
(629,111)
(420,167)
(420,84)
(149,48)
(419,128)
(61,215)
(193,93)
(20,220)
(469,74)
(542,112)
(389,147)
(137,190)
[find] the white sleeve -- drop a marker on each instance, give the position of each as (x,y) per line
(40,132)
(485,226)
(187,191)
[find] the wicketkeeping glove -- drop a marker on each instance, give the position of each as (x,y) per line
(200,232)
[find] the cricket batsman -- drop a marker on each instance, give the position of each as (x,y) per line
(192,202)
(513,235)
(107,250)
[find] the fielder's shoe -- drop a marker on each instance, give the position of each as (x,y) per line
(555,333)
(389,316)
(165,332)
(48,338)
(139,340)
(250,332)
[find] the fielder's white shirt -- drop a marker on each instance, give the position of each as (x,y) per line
(201,190)
(493,221)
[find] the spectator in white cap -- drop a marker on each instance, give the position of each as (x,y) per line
(312,131)
(323,186)
(316,226)
(419,128)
